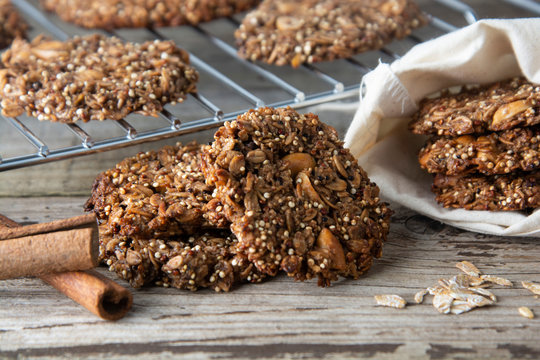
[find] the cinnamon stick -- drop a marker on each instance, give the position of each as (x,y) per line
(46,250)
(92,290)
(17,231)
(100,295)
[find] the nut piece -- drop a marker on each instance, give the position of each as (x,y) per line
(256,156)
(329,243)
(526,312)
(339,167)
(304,187)
(394,301)
(133,258)
(508,111)
(237,165)
(337,185)
(299,161)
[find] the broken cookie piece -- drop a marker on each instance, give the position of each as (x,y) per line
(151,210)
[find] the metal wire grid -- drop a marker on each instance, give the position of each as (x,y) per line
(335,90)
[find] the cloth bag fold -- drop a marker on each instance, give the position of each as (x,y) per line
(484,52)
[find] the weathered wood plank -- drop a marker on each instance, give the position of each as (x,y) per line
(285,319)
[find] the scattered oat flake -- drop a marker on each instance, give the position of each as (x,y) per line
(460,306)
(394,301)
(419,296)
(531,286)
(526,312)
(442,302)
(468,268)
(496,280)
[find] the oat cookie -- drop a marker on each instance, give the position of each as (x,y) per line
(12,25)
(92,78)
(492,153)
(516,191)
(152,226)
(500,106)
(297,200)
(110,14)
(293,32)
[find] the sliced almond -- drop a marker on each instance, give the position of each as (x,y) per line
(508,111)
(328,242)
(299,161)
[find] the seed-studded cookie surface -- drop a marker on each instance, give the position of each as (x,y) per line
(111,14)
(492,153)
(12,25)
(92,78)
(152,227)
(516,191)
(297,200)
(495,107)
(153,194)
(293,32)
(186,262)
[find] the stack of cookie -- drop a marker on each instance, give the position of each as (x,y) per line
(485,155)
(276,191)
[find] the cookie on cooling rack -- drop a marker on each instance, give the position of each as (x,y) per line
(294,32)
(92,78)
(109,14)
(152,226)
(12,25)
(296,199)
(516,191)
(491,153)
(500,106)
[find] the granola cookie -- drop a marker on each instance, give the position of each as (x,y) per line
(151,209)
(92,78)
(110,14)
(153,194)
(516,191)
(492,153)
(494,107)
(297,200)
(12,25)
(293,32)
(202,260)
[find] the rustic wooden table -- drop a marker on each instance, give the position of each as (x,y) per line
(279,318)
(285,319)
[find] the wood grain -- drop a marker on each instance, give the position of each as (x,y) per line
(285,319)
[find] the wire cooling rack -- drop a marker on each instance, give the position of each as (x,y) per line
(228,86)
